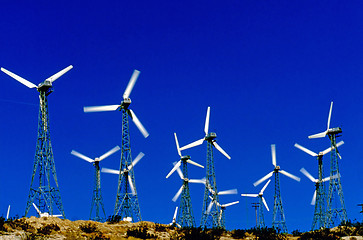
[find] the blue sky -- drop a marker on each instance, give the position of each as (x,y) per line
(268,70)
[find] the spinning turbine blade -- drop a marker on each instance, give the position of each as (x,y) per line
(331,108)
(263,179)
(227,192)
(178,193)
(221,150)
(177,144)
(273,154)
(308,175)
(80,155)
(330,178)
(194,163)
(101,108)
(131,185)
(229,204)
(265,203)
(193,144)
(7,213)
(59,74)
(249,195)
(339,144)
(112,151)
(175,213)
(108,170)
(138,124)
(290,175)
(174,168)
(305,150)
(206,126)
(318,135)
(179,172)
(264,187)
(136,160)
(327,150)
(210,207)
(131,84)
(313,199)
(197,181)
(19,79)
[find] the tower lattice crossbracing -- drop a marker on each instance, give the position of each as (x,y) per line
(278,221)
(97,207)
(319,212)
(44,189)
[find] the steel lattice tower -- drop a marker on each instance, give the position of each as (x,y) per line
(260,218)
(319,212)
(278,221)
(44,189)
(97,201)
(335,199)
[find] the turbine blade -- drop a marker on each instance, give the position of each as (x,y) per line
(138,124)
(308,175)
(7,213)
(194,163)
(339,144)
(131,83)
(193,144)
(265,203)
(305,150)
(229,204)
(36,208)
(227,192)
(197,181)
(80,155)
(331,108)
(313,199)
(175,213)
(136,160)
(179,172)
(264,187)
(101,108)
(112,151)
(330,178)
(206,126)
(249,195)
(108,170)
(177,144)
(319,135)
(273,154)
(210,207)
(327,150)
(131,185)
(178,193)
(263,179)
(59,74)
(174,168)
(221,150)
(290,175)
(19,79)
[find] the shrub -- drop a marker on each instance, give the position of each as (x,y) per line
(140,232)
(324,234)
(46,230)
(113,219)
(192,233)
(88,227)
(296,233)
(238,233)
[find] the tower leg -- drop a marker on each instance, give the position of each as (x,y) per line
(278,221)
(186,218)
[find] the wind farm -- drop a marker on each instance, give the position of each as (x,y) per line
(231,80)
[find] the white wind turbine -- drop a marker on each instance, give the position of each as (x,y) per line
(125,171)
(44,214)
(173,222)
(221,218)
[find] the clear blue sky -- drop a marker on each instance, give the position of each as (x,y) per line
(267,69)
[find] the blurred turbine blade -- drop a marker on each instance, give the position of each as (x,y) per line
(305,150)
(273,154)
(265,203)
(7,213)
(249,195)
(80,155)
(175,213)
(221,150)
(327,150)
(263,179)
(230,204)
(290,175)
(193,144)
(131,185)
(331,108)
(131,83)
(174,168)
(197,181)
(264,187)
(138,124)
(101,108)
(19,79)
(194,163)
(136,160)
(313,199)
(178,193)
(112,151)
(177,144)
(319,135)
(339,144)
(210,207)
(206,126)
(179,172)
(108,170)
(308,175)
(227,192)
(59,74)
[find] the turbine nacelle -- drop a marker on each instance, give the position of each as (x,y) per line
(125,103)
(333,131)
(210,136)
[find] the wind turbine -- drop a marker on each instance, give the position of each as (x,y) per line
(43,190)
(97,201)
(222,217)
(44,214)
(320,208)
(209,220)
(278,213)
(318,199)
(186,219)
(128,188)
(336,211)
(173,222)
(261,221)
(123,208)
